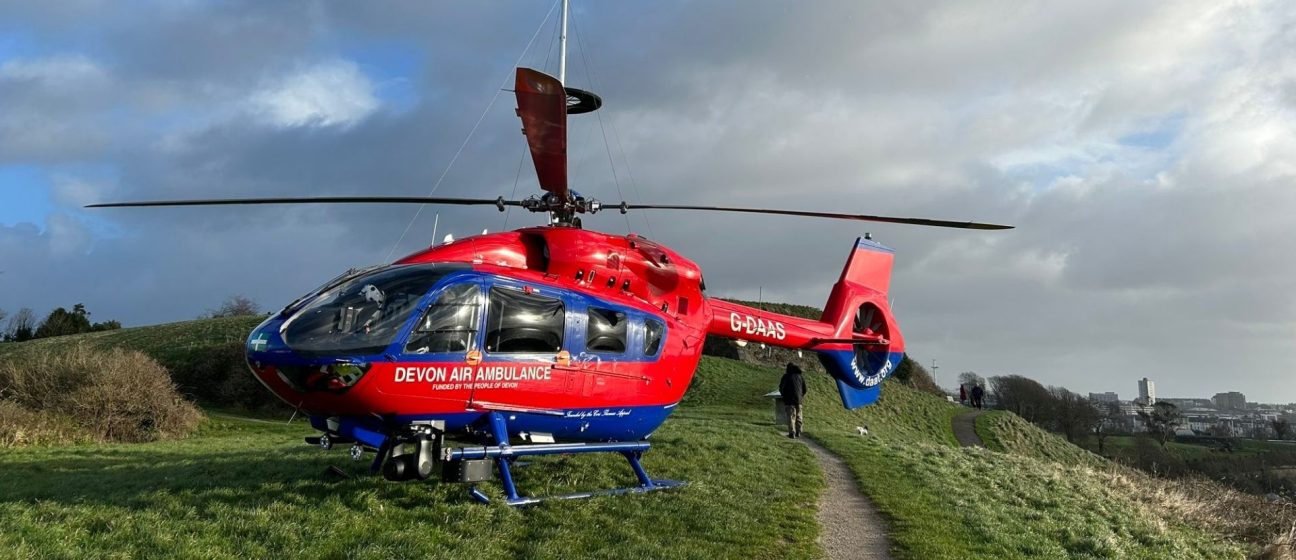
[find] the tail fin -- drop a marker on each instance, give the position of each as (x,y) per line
(857,307)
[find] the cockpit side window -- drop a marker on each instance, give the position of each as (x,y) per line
(520,322)
(605,331)
(653,331)
(450,324)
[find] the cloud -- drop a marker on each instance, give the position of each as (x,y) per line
(47,108)
(60,72)
(333,93)
(1145,151)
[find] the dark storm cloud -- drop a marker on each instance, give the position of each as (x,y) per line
(1143,149)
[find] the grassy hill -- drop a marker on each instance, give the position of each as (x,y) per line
(174,345)
(205,357)
(950,502)
(1203,504)
(250,488)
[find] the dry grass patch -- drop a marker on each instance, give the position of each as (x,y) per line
(1211,506)
(86,394)
(1203,504)
(20,426)
(1283,547)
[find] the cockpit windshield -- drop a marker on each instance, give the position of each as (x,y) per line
(349,274)
(362,315)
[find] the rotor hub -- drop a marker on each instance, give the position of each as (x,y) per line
(562,209)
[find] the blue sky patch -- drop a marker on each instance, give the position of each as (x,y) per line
(1155,134)
(26,192)
(395,67)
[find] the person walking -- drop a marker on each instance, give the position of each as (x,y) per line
(978,396)
(962,394)
(792,388)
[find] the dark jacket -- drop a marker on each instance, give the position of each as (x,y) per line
(792,387)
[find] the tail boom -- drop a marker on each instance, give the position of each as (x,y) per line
(857,339)
(732,320)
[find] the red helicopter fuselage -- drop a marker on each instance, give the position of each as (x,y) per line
(576,335)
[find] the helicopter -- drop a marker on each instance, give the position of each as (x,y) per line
(545,340)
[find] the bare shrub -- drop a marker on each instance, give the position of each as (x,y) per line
(108,395)
(913,374)
(234,306)
(1282,548)
(219,376)
(21,426)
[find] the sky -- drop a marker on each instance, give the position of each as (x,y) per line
(1146,152)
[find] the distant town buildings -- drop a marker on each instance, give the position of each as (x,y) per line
(1224,415)
(1231,400)
(1147,392)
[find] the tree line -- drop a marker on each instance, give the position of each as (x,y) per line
(61,321)
(23,325)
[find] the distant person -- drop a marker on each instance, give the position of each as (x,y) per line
(962,394)
(792,388)
(978,396)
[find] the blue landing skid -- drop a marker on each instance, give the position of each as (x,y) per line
(504,454)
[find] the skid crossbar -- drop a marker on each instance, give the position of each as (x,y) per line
(504,454)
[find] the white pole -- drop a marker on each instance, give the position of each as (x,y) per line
(435,221)
(562,47)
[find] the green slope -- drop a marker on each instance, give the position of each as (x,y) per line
(245,488)
(205,357)
(242,488)
(1009,433)
(172,344)
(950,502)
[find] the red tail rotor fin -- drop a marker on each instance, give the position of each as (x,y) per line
(858,307)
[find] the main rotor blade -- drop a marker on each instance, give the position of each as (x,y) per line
(499,202)
(832,215)
(542,106)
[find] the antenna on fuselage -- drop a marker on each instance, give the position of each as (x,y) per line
(562,47)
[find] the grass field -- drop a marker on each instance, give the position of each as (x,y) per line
(243,487)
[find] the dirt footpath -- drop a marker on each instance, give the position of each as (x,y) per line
(852,527)
(965,429)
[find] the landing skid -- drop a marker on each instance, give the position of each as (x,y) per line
(480,496)
(418,452)
(504,455)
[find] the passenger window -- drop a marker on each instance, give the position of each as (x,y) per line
(450,324)
(521,322)
(605,331)
(653,331)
